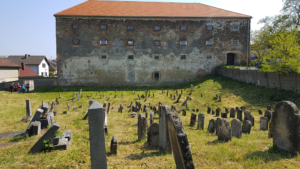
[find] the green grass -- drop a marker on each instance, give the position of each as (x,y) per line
(250,151)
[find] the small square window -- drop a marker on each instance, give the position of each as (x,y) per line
(209,43)
(156,28)
(130,43)
(208,57)
(183,57)
(156,57)
(103,42)
(75,42)
(209,27)
(183,43)
(157,43)
(235,28)
(183,28)
(130,57)
(156,75)
(235,42)
(130,27)
(103,27)
(103,56)
(44,65)
(75,26)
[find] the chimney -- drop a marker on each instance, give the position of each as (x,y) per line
(23,66)
(26,56)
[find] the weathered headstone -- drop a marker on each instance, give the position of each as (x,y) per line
(239,114)
(219,98)
(28,107)
(236,127)
(193,119)
(224,115)
(142,125)
(213,112)
(218,123)
(151,118)
(178,98)
(224,133)
(246,128)
(260,112)
(183,112)
(208,110)
(164,142)
(114,145)
(246,115)
(201,121)
(211,126)
(268,114)
(263,123)
(97,136)
(232,113)
(153,136)
(192,87)
(251,119)
(217,112)
(179,142)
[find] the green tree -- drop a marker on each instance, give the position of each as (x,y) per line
(284,53)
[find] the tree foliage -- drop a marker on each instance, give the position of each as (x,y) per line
(284,53)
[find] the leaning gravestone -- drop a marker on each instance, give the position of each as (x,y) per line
(164,142)
(224,133)
(201,121)
(142,126)
(211,126)
(193,119)
(179,142)
(153,135)
(36,117)
(97,136)
(232,113)
(263,123)
(286,127)
(246,128)
(236,127)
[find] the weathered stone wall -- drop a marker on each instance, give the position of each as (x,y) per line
(82,64)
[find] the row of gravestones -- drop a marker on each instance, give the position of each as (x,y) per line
(44,118)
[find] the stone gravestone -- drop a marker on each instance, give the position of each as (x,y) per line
(268,115)
(211,126)
(178,98)
(218,112)
(263,123)
(183,112)
(239,114)
(251,119)
(236,127)
(232,113)
(164,142)
(286,127)
(224,133)
(78,96)
(142,126)
(28,107)
(151,118)
(179,142)
(226,110)
(218,123)
(192,87)
(246,115)
(201,121)
(213,112)
(153,135)
(208,110)
(193,119)
(260,112)
(246,128)
(114,145)
(97,136)
(224,115)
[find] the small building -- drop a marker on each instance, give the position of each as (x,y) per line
(9,71)
(52,67)
(39,64)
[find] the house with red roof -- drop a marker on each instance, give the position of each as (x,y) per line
(119,43)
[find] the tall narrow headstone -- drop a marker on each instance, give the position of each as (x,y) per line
(232,113)
(164,142)
(114,145)
(251,119)
(201,121)
(218,123)
(178,98)
(263,123)
(236,127)
(208,110)
(28,108)
(142,126)
(193,119)
(78,96)
(151,118)
(268,114)
(179,142)
(212,126)
(97,136)
(239,114)
(192,87)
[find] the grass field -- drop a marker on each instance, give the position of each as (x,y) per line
(250,151)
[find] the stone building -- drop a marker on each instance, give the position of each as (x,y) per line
(114,43)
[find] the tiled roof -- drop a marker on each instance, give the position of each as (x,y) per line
(27,72)
(147,9)
(7,63)
(52,65)
(31,60)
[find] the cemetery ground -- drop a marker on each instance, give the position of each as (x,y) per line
(254,150)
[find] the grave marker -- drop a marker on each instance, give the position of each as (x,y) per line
(164,142)
(114,145)
(201,121)
(232,113)
(142,125)
(28,108)
(211,126)
(153,135)
(263,123)
(236,127)
(246,128)
(224,133)
(193,119)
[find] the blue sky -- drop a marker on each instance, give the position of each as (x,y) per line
(28,26)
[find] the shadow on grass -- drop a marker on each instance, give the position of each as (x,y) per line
(270,155)
(142,155)
(127,142)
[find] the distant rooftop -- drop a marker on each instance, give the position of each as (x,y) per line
(30,60)
(7,63)
(147,9)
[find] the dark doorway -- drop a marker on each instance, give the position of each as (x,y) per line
(156,75)
(230,59)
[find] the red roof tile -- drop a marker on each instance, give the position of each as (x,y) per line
(7,63)
(147,9)
(26,72)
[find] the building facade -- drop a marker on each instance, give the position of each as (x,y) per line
(9,71)
(147,48)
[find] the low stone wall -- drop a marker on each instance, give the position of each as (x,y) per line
(270,80)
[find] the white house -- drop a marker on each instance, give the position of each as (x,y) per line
(39,64)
